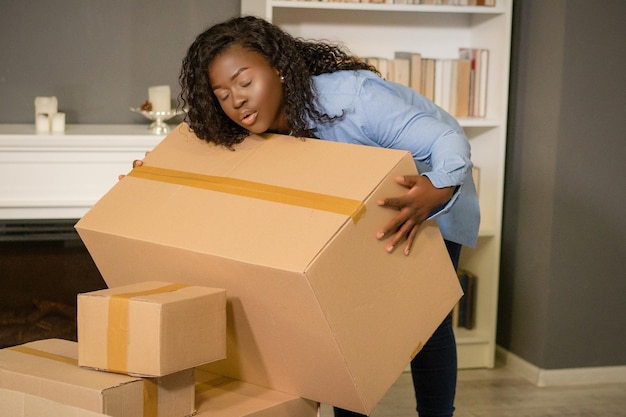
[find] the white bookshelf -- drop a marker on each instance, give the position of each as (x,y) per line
(435,31)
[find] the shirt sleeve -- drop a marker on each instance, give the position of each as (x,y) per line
(393,117)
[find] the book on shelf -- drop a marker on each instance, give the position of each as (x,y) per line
(373,62)
(457,85)
(484,74)
(454,82)
(479,66)
(428,78)
(463,90)
(381,64)
(438,95)
(464,313)
(399,70)
(415,68)
(452,86)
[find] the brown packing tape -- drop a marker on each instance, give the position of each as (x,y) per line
(40,353)
(151,397)
(349,207)
(150,385)
(117,330)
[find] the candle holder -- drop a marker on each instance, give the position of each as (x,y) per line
(158,125)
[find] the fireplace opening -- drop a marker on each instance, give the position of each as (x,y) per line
(43,267)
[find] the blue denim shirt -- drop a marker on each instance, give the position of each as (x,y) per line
(389,115)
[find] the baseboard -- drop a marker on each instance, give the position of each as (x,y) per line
(556,377)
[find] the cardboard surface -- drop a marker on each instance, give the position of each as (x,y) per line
(316,307)
(175,395)
(151,328)
(19,404)
(219,396)
(49,369)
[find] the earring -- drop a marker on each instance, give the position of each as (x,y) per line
(282,78)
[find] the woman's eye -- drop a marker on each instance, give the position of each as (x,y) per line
(246,83)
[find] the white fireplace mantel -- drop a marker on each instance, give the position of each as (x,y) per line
(60,176)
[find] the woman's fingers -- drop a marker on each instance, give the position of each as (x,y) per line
(136,163)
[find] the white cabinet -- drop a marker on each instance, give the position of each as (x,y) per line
(435,31)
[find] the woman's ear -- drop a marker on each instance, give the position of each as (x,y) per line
(282,77)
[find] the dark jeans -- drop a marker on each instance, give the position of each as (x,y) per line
(434,368)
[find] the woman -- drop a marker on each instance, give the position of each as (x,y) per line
(247,76)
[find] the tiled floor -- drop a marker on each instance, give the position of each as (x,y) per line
(500,393)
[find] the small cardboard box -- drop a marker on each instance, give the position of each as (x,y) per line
(316,307)
(19,404)
(219,396)
(151,328)
(49,369)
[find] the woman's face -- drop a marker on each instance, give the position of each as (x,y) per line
(248,89)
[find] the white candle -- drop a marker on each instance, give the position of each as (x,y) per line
(46,105)
(160,98)
(58,123)
(42,123)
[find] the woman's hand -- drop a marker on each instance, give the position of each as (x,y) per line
(136,163)
(421,199)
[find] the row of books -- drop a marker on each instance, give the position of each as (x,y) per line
(459,86)
(442,2)
(464,313)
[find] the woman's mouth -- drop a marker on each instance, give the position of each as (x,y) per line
(249,118)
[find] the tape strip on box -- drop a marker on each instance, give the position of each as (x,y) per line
(117,330)
(150,385)
(353,208)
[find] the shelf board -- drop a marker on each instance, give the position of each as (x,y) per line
(478,122)
(383,7)
(467,337)
(486,232)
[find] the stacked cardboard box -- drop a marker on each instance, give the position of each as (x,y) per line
(138,349)
(148,337)
(151,328)
(42,379)
(316,307)
(48,369)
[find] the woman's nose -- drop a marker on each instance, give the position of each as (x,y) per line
(239,99)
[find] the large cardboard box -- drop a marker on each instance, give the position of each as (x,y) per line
(49,369)
(220,396)
(151,328)
(316,307)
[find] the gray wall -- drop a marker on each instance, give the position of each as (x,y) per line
(563,285)
(98,57)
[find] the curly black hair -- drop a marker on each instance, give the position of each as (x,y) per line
(296,59)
